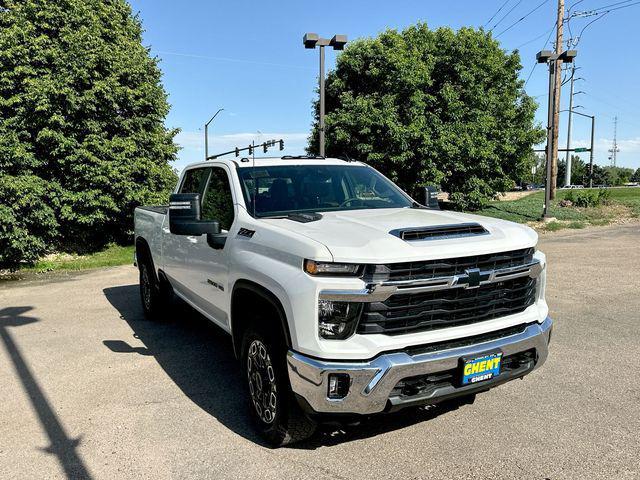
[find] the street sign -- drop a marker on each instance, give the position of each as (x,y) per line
(581,149)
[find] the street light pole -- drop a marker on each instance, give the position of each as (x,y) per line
(206,134)
(567,158)
(593,129)
(321,106)
(312,40)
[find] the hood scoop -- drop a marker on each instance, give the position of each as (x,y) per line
(439,232)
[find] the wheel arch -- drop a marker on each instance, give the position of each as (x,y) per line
(245,293)
(143,254)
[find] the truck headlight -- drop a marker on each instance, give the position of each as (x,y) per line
(329,268)
(338,320)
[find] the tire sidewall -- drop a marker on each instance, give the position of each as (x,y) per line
(275,432)
(147,281)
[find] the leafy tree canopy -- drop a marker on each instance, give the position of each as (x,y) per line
(433,106)
(82,133)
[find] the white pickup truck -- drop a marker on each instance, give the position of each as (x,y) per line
(343,296)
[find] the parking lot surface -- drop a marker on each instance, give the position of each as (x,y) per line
(89,389)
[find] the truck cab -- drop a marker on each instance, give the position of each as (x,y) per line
(343,296)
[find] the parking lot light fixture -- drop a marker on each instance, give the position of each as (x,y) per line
(311,41)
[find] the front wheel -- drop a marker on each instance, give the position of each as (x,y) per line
(274,408)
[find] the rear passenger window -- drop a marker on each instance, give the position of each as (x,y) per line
(195,180)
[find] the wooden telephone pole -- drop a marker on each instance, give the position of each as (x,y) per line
(556,102)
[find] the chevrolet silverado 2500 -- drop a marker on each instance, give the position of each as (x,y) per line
(343,296)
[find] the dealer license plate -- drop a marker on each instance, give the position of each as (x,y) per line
(482,368)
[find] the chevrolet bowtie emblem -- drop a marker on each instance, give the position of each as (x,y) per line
(472,278)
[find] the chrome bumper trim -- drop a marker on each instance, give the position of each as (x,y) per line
(372,381)
(379,292)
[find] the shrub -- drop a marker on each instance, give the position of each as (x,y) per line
(28,225)
(82,112)
(592,199)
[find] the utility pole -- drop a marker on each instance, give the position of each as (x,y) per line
(552,60)
(550,112)
(614,148)
(556,100)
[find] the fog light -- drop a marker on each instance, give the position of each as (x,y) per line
(338,385)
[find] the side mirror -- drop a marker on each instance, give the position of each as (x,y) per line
(431,197)
(184,216)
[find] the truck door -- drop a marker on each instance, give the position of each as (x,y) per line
(210,264)
(178,249)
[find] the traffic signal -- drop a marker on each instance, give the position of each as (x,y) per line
(281,142)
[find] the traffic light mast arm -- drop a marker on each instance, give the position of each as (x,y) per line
(265,146)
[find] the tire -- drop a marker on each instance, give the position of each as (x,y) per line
(152,295)
(275,411)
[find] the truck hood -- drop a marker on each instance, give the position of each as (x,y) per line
(363,236)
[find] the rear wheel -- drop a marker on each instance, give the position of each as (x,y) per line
(152,294)
(276,412)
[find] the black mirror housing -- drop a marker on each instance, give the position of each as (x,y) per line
(184,216)
(431,197)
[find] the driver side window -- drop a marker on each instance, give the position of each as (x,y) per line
(217,203)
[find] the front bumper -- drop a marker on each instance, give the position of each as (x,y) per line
(373,381)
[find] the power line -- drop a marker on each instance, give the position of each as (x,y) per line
(522,18)
(497,12)
(619,8)
(585,27)
(505,15)
(536,63)
(604,7)
(538,37)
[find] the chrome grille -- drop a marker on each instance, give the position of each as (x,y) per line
(416,312)
(424,270)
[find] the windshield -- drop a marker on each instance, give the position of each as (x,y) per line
(282,190)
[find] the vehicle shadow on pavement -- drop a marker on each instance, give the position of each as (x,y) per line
(198,357)
(329,435)
(195,354)
(61,445)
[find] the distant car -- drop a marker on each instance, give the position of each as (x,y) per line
(600,186)
(571,187)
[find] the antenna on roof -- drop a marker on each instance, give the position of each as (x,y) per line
(255,179)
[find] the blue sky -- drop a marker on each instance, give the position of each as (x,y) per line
(248,58)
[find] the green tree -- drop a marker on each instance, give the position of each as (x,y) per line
(433,106)
(82,132)
(601,175)
(579,171)
(619,175)
(636,176)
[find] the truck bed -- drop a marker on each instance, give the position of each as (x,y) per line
(162,209)
(148,221)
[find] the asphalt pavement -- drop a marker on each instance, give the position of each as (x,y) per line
(89,389)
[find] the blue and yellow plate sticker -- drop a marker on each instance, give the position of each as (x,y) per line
(481,368)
